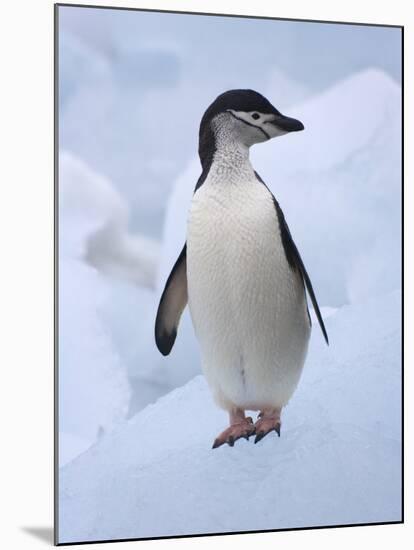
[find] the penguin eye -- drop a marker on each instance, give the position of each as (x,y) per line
(255,116)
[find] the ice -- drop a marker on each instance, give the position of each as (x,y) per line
(98,232)
(70,446)
(96,253)
(338,459)
(129,314)
(285,91)
(93,387)
(109,364)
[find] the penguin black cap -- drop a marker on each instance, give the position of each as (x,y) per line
(247,101)
(239,100)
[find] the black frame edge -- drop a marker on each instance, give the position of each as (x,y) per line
(242,16)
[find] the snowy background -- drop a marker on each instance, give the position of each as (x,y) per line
(132,89)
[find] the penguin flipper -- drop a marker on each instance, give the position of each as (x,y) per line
(294,252)
(172,304)
(294,259)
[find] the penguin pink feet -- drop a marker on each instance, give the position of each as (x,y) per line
(269,420)
(240,426)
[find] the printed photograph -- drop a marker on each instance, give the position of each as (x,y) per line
(229,274)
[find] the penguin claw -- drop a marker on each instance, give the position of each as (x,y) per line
(264,426)
(259,436)
(233,433)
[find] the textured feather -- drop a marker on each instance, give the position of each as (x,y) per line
(294,259)
(172,304)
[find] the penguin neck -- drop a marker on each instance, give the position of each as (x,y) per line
(231,161)
(231,152)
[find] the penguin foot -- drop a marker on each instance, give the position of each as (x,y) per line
(266,423)
(244,428)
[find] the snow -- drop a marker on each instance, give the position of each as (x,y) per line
(70,446)
(94,242)
(93,386)
(338,459)
(109,365)
(98,216)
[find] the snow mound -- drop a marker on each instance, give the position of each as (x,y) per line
(93,387)
(284,91)
(94,391)
(99,257)
(98,219)
(339,184)
(340,121)
(338,459)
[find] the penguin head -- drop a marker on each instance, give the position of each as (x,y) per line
(244,116)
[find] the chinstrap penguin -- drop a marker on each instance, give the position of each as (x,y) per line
(241,273)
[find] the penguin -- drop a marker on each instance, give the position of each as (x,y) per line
(241,273)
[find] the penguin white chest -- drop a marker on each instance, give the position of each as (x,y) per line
(248,305)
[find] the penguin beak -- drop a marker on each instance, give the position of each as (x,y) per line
(287,124)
